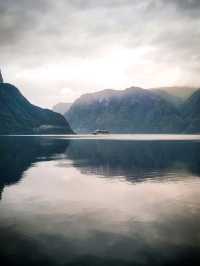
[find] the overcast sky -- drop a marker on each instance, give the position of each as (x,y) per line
(55,51)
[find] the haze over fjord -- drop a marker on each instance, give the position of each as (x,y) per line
(54,51)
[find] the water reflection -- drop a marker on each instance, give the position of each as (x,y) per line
(136,160)
(62,213)
(17,154)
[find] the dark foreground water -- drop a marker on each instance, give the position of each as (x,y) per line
(113,200)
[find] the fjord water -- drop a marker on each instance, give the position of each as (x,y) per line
(111,200)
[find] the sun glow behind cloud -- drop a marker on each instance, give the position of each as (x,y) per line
(108,65)
(118,68)
(57,51)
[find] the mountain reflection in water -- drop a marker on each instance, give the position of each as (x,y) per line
(17,154)
(99,202)
(135,160)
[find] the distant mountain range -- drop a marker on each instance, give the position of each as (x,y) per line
(191,112)
(61,108)
(135,110)
(182,92)
(19,116)
(174,99)
(177,95)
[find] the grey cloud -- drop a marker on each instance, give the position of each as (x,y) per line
(17,17)
(82,4)
(41,32)
(188,5)
(71,25)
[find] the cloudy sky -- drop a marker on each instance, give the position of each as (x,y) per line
(55,51)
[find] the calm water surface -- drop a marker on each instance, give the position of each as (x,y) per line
(100,200)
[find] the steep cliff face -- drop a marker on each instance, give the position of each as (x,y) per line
(19,116)
(133,110)
(191,112)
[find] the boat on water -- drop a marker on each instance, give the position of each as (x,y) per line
(100,131)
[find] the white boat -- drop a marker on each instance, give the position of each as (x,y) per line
(100,131)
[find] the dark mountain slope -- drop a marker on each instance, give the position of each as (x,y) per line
(19,116)
(133,110)
(191,113)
